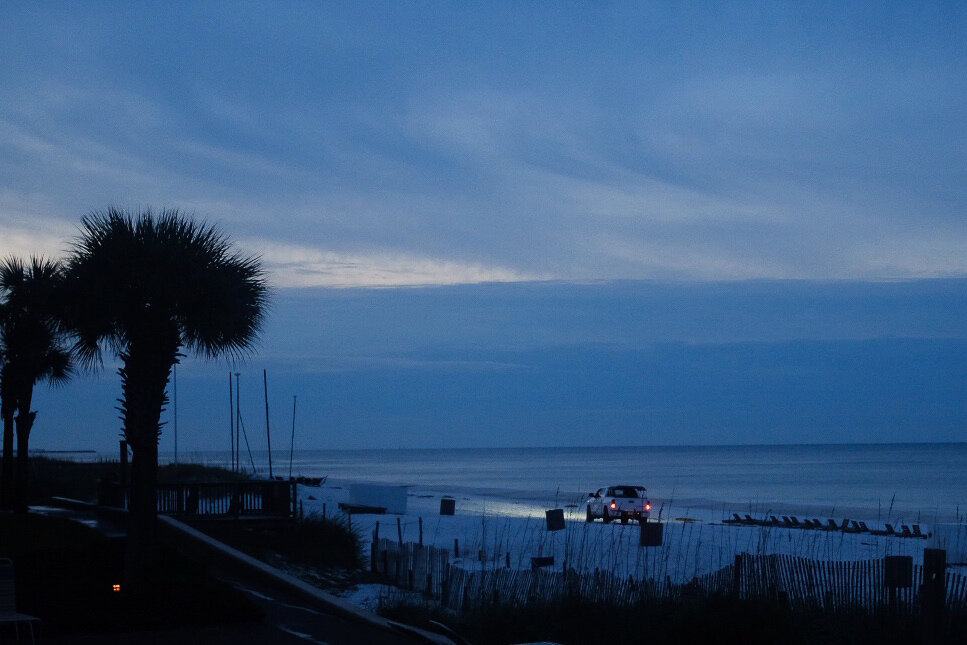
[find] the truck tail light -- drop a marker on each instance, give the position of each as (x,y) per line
(647,506)
(614,504)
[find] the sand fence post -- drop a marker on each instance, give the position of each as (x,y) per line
(374,550)
(933,593)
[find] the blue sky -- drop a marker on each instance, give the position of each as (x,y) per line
(554,147)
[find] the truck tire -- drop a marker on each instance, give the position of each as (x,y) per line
(624,518)
(589,517)
(604,515)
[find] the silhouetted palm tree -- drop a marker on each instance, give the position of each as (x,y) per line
(148,286)
(32,351)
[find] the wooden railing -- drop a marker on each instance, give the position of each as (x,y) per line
(220,499)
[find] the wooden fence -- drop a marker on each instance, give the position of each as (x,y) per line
(796,581)
(232,499)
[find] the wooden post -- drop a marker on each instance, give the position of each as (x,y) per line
(507,560)
(445,584)
(456,548)
(737,575)
(323,510)
(421,530)
(374,551)
(897,574)
(399,530)
(933,593)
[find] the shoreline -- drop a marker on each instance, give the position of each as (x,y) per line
(696,541)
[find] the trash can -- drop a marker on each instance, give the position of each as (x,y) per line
(652,533)
(555,519)
(448,506)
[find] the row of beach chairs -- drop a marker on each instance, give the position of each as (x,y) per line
(846,526)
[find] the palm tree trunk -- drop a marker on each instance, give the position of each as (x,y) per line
(144,382)
(141,554)
(25,422)
(6,486)
(8,404)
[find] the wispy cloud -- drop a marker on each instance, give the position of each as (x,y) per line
(299,266)
(618,143)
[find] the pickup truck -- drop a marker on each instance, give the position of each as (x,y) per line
(619,502)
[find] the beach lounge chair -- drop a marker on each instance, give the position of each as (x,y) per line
(886,531)
(831,525)
(796,522)
(735,519)
(906,531)
(8,602)
(750,521)
(817,524)
(854,527)
(844,525)
(775,520)
(917,533)
(864,528)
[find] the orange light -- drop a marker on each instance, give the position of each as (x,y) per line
(117,588)
(613,505)
(647,507)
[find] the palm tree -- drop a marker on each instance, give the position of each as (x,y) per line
(148,286)
(32,351)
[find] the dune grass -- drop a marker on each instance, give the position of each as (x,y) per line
(314,541)
(719,619)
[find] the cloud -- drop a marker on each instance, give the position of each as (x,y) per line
(26,229)
(800,148)
(300,266)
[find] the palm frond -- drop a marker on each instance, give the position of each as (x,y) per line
(133,271)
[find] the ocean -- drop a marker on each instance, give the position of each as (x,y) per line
(918,482)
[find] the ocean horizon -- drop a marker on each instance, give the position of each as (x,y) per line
(925,481)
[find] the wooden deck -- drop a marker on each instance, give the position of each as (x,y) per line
(259,499)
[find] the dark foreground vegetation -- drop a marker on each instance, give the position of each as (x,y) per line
(66,572)
(709,620)
(314,542)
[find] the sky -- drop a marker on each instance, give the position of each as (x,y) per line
(446,187)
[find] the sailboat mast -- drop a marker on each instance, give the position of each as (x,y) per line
(231,420)
(268,435)
(238,425)
(174,376)
(292,439)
